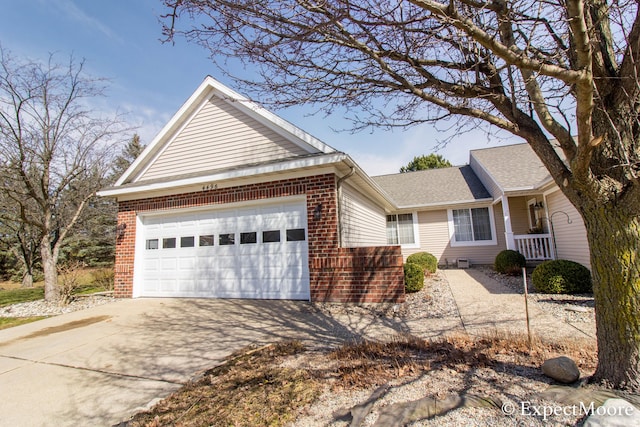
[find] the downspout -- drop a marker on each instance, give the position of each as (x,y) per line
(339,204)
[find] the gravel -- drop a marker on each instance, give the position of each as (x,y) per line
(578,308)
(514,384)
(44,308)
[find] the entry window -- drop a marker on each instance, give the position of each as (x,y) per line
(471,227)
(169,243)
(471,224)
(295,235)
(400,229)
(152,244)
(206,240)
(271,236)
(248,238)
(187,242)
(227,239)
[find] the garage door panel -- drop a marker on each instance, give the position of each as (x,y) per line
(200,266)
(168,264)
(225,262)
(167,285)
(187,286)
(151,265)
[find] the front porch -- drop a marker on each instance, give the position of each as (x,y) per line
(535,247)
(526,227)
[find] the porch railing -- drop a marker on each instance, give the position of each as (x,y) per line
(535,247)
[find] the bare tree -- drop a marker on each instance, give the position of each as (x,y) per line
(54,149)
(564,71)
(21,239)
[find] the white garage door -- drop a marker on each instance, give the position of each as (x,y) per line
(252,252)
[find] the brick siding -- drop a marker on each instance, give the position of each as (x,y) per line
(336,274)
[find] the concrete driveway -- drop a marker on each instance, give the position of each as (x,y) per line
(98,366)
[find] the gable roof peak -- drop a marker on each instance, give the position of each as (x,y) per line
(209,89)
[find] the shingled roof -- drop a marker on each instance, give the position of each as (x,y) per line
(513,167)
(434,187)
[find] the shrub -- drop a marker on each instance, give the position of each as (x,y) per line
(68,280)
(428,262)
(509,262)
(104,278)
(413,277)
(561,277)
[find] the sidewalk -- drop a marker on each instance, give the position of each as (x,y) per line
(486,305)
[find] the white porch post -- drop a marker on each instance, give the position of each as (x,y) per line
(508,231)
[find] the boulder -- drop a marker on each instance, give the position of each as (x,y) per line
(614,413)
(561,369)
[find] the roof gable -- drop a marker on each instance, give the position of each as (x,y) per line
(217,129)
(434,187)
(512,167)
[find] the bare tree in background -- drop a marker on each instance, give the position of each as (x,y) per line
(20,239)
(544,71)
(54,149)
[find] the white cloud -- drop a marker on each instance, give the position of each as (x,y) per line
(147,120)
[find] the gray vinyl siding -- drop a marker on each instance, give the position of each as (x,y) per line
(219,136)
(362,222)
(434,238)
(570,239)
(485,178)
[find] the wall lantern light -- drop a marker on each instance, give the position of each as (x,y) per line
(317,212)
(120,230)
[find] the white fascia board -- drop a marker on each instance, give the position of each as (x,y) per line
(519,189)
(269,119)
(223,176)
(445,205)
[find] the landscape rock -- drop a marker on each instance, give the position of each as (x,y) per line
(403,413)
(561,369)
(614,413)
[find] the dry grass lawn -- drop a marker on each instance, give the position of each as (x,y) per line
(277,384)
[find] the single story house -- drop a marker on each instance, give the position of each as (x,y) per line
(231,201)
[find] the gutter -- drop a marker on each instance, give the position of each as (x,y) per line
(339,204)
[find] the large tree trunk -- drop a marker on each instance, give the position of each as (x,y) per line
(49,267)
(27,280)
(614,234)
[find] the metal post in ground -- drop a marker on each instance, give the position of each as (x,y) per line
(526,304)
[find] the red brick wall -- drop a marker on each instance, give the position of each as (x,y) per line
(336,274)
(358,275)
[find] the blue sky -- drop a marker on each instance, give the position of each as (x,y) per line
(149,80)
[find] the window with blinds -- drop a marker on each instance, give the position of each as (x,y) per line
(400,229)
(471,225)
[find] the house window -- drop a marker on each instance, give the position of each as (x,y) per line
(169,243)
(248,238)
(152,243)
(295,235)
(271,236)
(187,242)
(227,239)
(206,240)
(400,230)
(472,225)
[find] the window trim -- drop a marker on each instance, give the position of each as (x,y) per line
(416,230)
(452,231)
